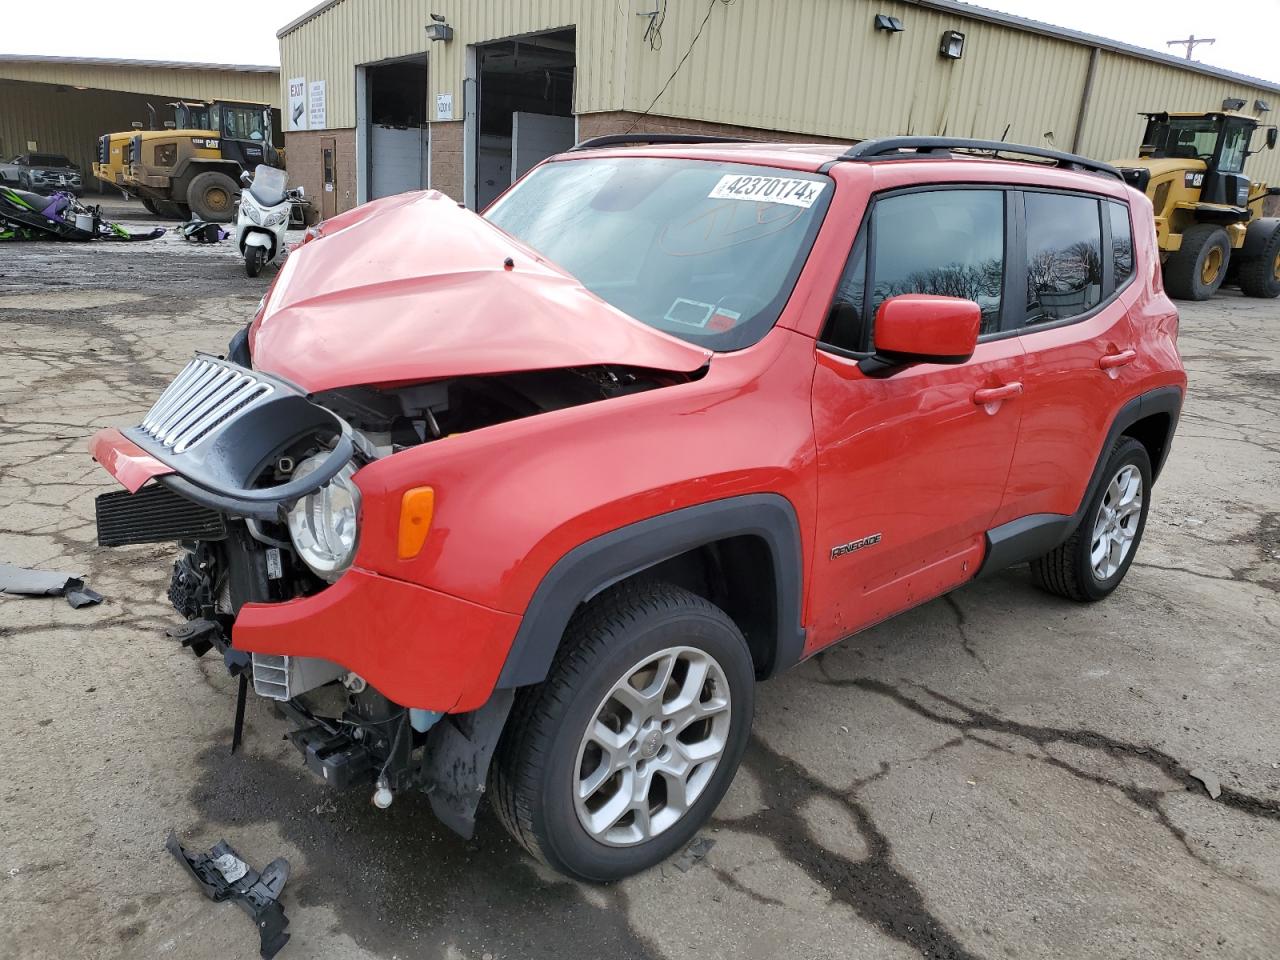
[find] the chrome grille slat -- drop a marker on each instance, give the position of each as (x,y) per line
(190,396)
(198,400)
(171,394)
(205,396)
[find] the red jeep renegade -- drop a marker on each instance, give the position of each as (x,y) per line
(531,500)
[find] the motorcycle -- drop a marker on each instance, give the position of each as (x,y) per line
(265,207)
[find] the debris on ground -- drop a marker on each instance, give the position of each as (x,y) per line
(1212,785)
(694,852)
(201,231)
(224,875)
(21,581)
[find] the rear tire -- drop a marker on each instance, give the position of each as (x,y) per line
(151,206)
(1094,559)
(1196,270)
(211,196)
(559,778)
(1260,275)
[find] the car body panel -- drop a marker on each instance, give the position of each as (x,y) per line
(910,472)
(437,299)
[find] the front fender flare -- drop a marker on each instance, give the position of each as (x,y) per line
(588,569)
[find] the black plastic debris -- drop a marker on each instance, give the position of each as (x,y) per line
(224,875)
(694,852)
(20,581)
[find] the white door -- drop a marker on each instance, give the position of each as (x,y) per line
(397,160)
(536,136)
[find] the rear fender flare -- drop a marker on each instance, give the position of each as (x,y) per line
(599,563)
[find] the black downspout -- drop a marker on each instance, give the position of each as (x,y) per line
(1083,114)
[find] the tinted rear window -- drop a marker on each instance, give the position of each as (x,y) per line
(1064,256)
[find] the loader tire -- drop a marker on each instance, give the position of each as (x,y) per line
(1197,269)
(1260,275)
(212,197)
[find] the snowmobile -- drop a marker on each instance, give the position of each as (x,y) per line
(59,216)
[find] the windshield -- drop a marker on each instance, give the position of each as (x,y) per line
(269,185)
(707,251)
(1188,137)
(243,123)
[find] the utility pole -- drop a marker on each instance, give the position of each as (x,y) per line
(1190,43)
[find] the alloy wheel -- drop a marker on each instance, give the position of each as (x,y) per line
(652,746)
(1117,522)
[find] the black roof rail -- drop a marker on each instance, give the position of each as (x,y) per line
(888,148)
(621,139)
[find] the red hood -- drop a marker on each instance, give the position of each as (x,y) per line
(415,288)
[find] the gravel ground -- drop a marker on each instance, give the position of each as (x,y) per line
(995,774)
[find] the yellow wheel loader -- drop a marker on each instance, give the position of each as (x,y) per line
(1209,220)
(194,168)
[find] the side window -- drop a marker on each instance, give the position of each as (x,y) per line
(844,324)
(1064,256)
(944,242)
(1121,243)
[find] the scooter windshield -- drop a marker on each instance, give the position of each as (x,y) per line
(269,185)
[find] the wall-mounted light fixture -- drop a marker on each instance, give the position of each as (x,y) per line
(1261,106)
(888,24)
(1233,103)
(439,30)
(952,46)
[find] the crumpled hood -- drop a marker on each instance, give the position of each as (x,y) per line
(413,288)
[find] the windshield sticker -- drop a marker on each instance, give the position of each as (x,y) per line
(788,190)
(690,313)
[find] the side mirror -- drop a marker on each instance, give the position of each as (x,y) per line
(1272,134)
(245,178)
(302,191)
(922,328)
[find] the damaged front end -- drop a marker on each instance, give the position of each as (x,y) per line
(259,483)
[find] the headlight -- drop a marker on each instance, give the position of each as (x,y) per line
(324,525)
(250,210)
(275,219)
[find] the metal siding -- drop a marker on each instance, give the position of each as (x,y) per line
(353,32)
(809,66)
(192,84)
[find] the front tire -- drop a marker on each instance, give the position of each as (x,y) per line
(211,196)
(613,763)
(1094,559)
(1196,270)
(1260,275)
(254,258)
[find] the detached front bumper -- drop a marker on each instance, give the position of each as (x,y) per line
(418,647)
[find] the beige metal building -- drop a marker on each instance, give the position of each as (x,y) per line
(63,104)
(464,95)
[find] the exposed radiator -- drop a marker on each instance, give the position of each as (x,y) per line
(154,514)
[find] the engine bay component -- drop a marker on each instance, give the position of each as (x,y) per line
(283,678)
(224,875)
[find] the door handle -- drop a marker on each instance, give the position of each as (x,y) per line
(1006,391)
(1110,361)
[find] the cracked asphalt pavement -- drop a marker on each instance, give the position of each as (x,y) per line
(998,773)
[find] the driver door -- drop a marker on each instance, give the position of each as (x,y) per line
(912,462)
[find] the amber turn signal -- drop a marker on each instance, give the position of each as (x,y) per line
(416,508)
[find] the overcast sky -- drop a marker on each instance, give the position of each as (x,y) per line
(243,31)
